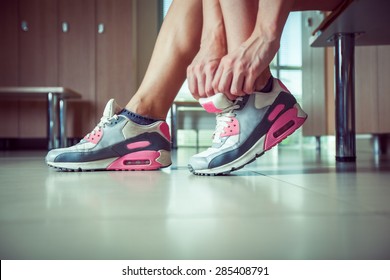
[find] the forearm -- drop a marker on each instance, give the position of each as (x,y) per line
(213,31)
(271,18)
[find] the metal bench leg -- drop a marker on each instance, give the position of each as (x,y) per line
(52,120)
(345,97)
(318,143)
(62,126)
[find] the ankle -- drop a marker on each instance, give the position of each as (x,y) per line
(145,109)
(264,81)
(139,119)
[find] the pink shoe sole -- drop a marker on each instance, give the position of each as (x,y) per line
(284,126)
(142,160)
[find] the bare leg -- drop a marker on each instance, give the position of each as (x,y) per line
(213,47)
(176,46)
(240,19)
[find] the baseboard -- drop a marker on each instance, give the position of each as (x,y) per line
(14,144)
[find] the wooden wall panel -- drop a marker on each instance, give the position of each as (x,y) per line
(77,62)
(38,45)
(366,89)
(313,75)
(115,75)
(384,89)
(319,122)
(37,61)
(146,19)
(9,43)
(99,66)
(9,66)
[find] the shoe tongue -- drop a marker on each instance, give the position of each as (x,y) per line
(111,109)
(216,103)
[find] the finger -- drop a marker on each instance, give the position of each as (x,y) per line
(230,96)
(208,86)
(192,84)
(225,82)
(237,84)
(217,78)
(249,83)
(201,78)
(210,72)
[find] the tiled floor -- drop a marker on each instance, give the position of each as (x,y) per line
(289,204)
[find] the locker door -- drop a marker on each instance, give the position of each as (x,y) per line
(37,60)
(115,67)
(77,61)
(9,66)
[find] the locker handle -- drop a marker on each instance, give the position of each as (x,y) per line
(65,27)
(101,28)
(24,26)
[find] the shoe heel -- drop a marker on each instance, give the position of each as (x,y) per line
(142,160)
(284,126)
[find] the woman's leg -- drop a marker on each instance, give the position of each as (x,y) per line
(240,19)
(176,46)
(200,72)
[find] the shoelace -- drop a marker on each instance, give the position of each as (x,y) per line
(223,120)
(102,124)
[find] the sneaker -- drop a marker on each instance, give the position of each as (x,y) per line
(246,128)
(116,143)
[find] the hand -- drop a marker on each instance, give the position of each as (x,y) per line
(241,71)
(200,73)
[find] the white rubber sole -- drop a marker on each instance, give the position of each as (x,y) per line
(239,163)
(164,160)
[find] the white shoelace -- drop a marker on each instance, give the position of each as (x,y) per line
(223,120)
(103,122)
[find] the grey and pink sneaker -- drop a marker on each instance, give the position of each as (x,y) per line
(117,143)
(246,128)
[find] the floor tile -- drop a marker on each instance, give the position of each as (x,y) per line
(287,205)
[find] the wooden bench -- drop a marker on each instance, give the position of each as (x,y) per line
(56,108)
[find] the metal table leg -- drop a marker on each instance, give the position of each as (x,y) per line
(62,120)
(52,120)
(345,97)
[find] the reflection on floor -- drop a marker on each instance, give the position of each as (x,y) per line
(289,204)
